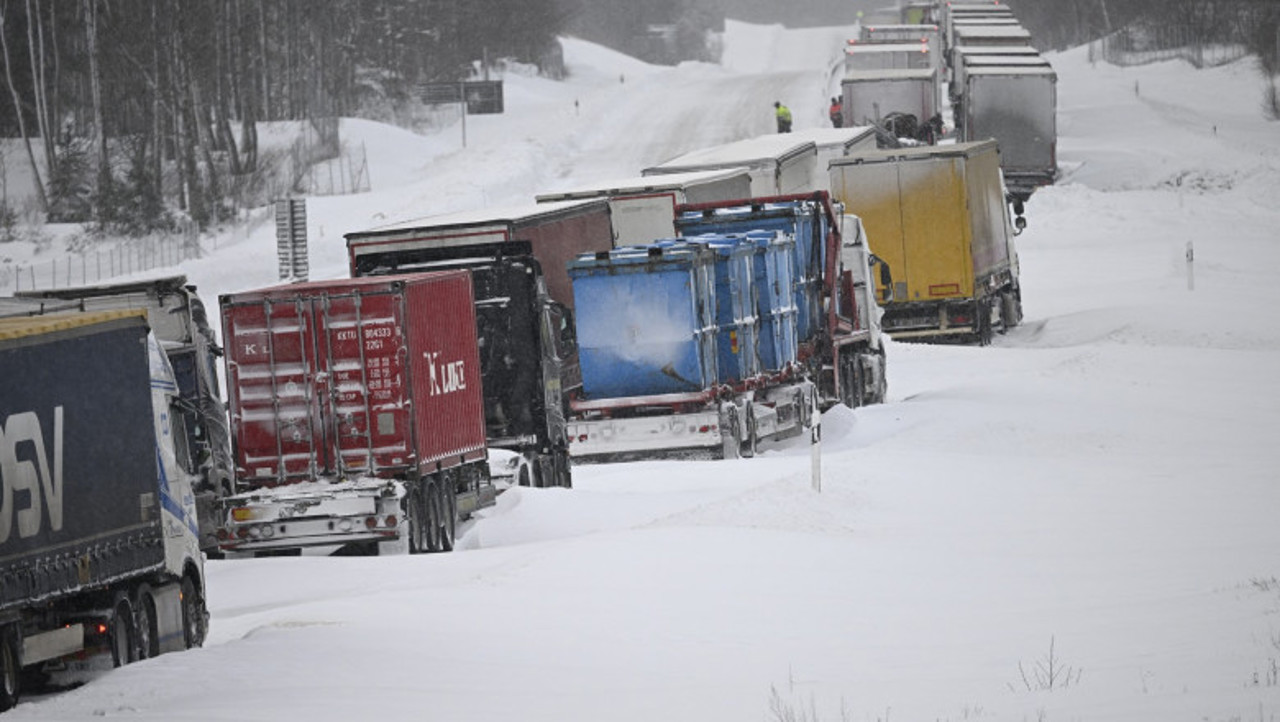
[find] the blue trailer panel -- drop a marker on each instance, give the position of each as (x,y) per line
(775,303)
(737,355)
(645,320)
(800,219)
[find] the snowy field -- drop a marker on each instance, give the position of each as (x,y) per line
(1080,522)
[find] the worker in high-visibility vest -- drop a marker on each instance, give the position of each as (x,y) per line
(784,117)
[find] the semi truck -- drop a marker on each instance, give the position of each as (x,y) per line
(643,208)
(939,216)
(1018,106)
(902,55)
(779,163)
(702,344)
(357,416)
(99,554)
(529,357)
(870,95)
(178,319)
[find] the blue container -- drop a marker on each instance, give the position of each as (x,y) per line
(804,221)
(775,302)
(737,355)
(645,319)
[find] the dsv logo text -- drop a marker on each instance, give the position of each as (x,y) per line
(22,432)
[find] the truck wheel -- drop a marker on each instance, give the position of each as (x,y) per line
(413,511)
(194,622)
(730,433)
(747,449)
(10,671)
(144,606)
(124,640)
(446,519)
(983,310)
(564,471)
(431,521)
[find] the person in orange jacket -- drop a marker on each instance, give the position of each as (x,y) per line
(836,113)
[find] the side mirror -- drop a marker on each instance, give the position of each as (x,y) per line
(1020,224)
(1018,208)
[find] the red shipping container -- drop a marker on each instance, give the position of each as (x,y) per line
(353,377)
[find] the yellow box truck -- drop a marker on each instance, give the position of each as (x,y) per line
(938,216)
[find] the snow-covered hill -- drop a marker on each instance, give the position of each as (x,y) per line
(1096,493)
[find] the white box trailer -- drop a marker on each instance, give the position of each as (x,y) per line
(832,143)
(779,164)
(899,33)
(967,61)
(869,95)
(890,56)
(643,208)
(1017,106)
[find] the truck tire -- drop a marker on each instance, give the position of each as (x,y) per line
(730,432)
(982,310)
(431,520)
(10,669)
(124,639)
(144,606)
(852,386)
(747,449)
(414,512)
(194,622)
(564,470)
(447,504)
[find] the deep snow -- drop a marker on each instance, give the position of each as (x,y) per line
(1100,480)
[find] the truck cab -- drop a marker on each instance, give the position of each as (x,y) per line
(179,321)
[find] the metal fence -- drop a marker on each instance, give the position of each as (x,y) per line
(101,262)
(1143,45)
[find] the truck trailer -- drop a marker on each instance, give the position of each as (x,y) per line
(357,415)
(178,319)
(99,554)
(870,95)
(642,208)
(1018,106)
(702,344)
(779,163)
(939,216)
(557,232)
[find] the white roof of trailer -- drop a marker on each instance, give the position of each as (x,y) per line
(996,50)
(903,47)
(645,184)
(891,74)
(831,137)
(991,31)
(748,151)
(1045,70)
(1005,60)
(484,216)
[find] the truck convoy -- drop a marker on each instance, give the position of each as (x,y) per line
(729,335)
(357,415)
(938,215)
(178,319)
(528,351)
(98,539)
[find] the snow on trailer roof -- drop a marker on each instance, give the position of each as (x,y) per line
(919,46)
(23,326)
(748,152)
(891,74)
(975,61)
(916,152)
(835,137)
(1035,70)
(645,184)
(1009,32)
(966,50)
(984,20)
(485,217)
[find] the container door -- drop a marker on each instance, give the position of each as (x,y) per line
(272,362)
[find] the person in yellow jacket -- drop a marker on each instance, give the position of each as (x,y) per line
(784,117)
